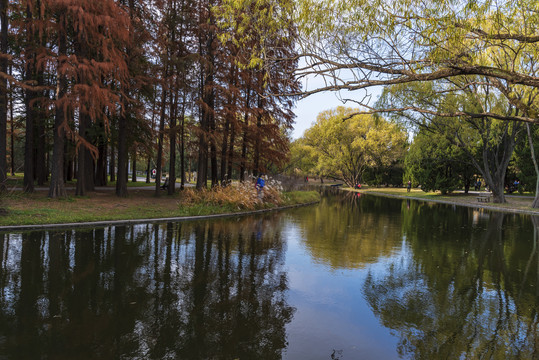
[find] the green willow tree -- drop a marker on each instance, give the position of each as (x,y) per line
(447,109)
(436,164)
(345,149)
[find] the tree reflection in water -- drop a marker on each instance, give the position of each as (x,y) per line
(458,296)
(191,291)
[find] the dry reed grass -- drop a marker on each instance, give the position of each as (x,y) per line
(242,195)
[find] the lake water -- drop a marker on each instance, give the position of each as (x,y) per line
(355,277)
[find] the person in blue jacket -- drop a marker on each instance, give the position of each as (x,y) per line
(260,183)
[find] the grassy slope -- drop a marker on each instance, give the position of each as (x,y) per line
(33,209)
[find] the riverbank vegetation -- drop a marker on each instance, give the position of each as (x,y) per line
(104,205)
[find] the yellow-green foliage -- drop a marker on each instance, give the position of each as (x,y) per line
(237,195)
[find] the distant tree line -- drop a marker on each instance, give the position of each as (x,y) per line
(443,154)
(88,86)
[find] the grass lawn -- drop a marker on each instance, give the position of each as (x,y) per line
(514,202)
(103,205)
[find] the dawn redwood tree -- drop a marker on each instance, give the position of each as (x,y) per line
(30,96)
(4,51)
(262,37)
(207,48)
(57,185)
(131,120)
(98,70)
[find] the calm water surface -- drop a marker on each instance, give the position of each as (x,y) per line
(356,277)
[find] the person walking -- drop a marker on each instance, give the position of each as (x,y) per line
(260,183)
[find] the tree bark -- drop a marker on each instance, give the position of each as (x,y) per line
(231,149)
(148,170)
(243,166)
(39,142)
(134,167)
(160,141)
(81,187)
(101,166)
(3,94)
(112,163)
(28,182)
(172,146)
(121,182)
(57,186)
(12,135)
(182,146)
(256,166)
(535,203)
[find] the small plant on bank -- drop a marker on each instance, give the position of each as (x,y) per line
(241,196)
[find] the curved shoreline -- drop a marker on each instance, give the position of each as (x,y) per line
(143,221)
(449,202)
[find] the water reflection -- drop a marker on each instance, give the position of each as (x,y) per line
(351,232)
(352,278)
(466,292)
(190,291)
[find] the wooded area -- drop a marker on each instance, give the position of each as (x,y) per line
(187,85)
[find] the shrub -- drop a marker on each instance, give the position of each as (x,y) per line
(241,195)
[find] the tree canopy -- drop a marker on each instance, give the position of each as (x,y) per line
(344,150)
(102,83)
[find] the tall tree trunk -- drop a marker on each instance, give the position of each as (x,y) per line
(161,139)
(89,169)
(28,182)
(213,154)
(40,141)
(112,163)
(81,187)
(12,120)
(202,169)
(229,118)
(121,182)
(243,166)
(101,166)
(134,170)
(256,167)
(148,170)
(102,146)
(224,149)
(231,149)
(182,145)
(68,163)
(535,203)
(57,186)
(3,93)
(172,148)
(150,153)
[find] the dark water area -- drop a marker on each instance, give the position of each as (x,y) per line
(355,277)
